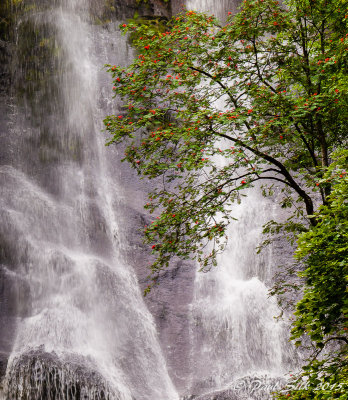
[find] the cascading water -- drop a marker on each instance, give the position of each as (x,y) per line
(239,349)
(84,330)
(238,345)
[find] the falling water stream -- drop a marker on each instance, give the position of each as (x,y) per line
(74,320)
(86,332)
(238,347)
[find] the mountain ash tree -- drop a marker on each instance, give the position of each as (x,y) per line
(215,109)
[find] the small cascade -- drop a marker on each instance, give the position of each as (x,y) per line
(239,347)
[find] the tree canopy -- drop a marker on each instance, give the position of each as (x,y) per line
(214,108)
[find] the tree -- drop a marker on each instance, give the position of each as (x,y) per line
(322,312)
(216,109)
(265,93)
(324,252)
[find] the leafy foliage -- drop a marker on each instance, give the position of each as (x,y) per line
(322,312)
(324,251)
(213,109)
(152,25)
(327,380)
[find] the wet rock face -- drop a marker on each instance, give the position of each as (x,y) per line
(13,292)
(169,302)
(123,9)
(37,375)
(8,287)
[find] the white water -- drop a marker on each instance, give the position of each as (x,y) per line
(235,335)
(84,305)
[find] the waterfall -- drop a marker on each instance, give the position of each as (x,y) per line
(82,329)
(238,347)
